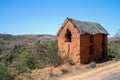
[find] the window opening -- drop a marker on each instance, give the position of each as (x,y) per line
(68,36)
(91,38)
(91,50)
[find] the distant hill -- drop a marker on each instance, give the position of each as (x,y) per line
(9,41)
(113,39)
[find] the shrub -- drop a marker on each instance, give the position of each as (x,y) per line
(51,57)
(70,62)
(32,61)
(26,61)
(21,67)
(114,50)
(64,71)
(92,65)
(39,49)
(9,58)
(5,74)
(20,64)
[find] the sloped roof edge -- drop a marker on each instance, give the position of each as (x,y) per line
(85,27)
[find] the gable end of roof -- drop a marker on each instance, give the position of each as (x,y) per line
(85,27)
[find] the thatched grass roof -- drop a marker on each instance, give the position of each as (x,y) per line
(85,27)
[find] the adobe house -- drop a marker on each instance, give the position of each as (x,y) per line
(82,41)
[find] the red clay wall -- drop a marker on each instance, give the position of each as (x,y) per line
(84,46)
(69,50)
(85,55)
(105,46)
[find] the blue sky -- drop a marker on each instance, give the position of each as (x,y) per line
(47,16)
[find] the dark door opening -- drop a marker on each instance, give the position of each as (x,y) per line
(68,36)
(91,38)
(91,50)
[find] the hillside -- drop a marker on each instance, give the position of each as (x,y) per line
(113,39)
(9,41)
(22,53)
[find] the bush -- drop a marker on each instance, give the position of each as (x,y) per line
(70,62)
(26,61)
(64,71)
(92,65)
(21,67)
(5,74)
(20,64)
(32,61)
(9,58)
(114,50)
(39,49)
(51,57)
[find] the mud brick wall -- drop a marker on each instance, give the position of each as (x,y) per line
(69,50)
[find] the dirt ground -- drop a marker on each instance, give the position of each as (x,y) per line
(77,72)
(100,73)
(115,76)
